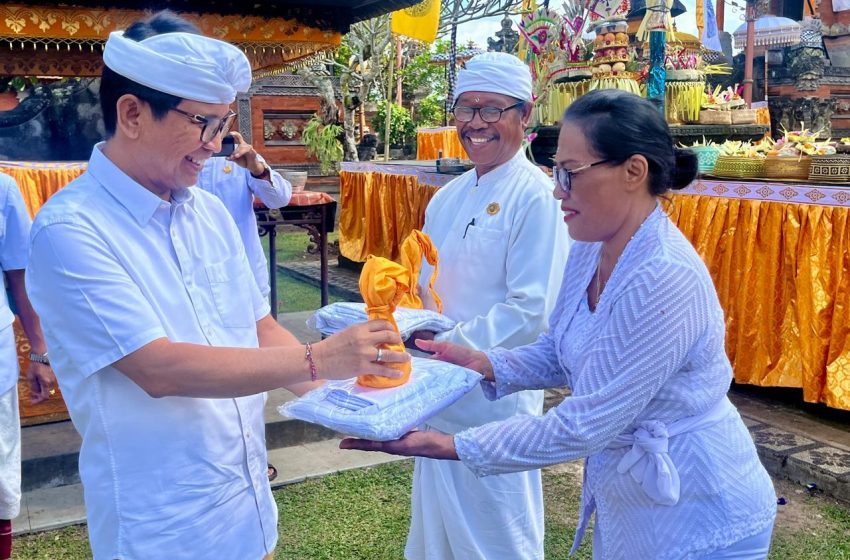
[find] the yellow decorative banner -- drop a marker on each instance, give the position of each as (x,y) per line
(418,22)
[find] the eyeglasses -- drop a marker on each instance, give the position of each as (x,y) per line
(564,177)
(210,126)
(488,114)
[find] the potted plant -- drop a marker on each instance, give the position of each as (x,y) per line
(322,141)
(11,87)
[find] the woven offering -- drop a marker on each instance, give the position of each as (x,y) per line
(715,117)
(738,167)
(707,157)
(743,116)
(780,167)
(830,169)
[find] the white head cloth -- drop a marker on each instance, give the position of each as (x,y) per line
(495,72)
(186,65)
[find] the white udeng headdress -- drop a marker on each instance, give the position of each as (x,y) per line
(495,72)
(186,65)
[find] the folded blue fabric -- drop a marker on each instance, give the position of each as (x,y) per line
(384,414)
(338,316)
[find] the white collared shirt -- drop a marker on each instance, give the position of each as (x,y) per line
(114,267)
(236,188)
(503,245)
(14,234)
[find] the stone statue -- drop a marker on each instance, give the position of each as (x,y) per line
(508,39)
(806,62)
(812,113)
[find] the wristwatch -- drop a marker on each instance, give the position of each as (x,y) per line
(40,358)
(266,168)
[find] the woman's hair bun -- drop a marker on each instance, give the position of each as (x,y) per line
(685,170)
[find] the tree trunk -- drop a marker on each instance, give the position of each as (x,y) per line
(349,144)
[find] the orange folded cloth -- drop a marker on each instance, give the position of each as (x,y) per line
(416,246)
(383,283)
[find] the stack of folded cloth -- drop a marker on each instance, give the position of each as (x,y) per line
(338,316)
(384,414)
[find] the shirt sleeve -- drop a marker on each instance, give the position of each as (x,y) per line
(86,298)
(647,339)
(275,193)
(15,243)
(531,268)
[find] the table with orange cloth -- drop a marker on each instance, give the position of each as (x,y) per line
(431,141)
(381,203)
(779,255)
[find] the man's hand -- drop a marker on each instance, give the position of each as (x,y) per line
(244,155)
(354,351)
(433,445)
(41,381)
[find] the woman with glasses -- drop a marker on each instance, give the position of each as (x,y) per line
(638,336)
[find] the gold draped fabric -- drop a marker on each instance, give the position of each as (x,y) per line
(383,284)
(782,273)
(378,211)
(38,181)
(430,141)
(416,246)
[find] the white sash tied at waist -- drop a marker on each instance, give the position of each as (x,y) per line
(648,462)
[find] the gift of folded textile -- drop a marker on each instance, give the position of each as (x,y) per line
(338,316)
(384,414)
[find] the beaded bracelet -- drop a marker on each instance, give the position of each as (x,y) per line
(308,355)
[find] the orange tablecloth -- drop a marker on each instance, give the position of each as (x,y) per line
(779,256)
(39,180)
(380,204)
(430,141)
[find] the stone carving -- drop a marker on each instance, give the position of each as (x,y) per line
(807,62)
(813,113)
(806,66)
(507,38)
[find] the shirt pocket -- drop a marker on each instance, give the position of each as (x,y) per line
(229,287)
(484,247)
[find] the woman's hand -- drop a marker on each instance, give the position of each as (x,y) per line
(432,445)
(458,355)
(354,352)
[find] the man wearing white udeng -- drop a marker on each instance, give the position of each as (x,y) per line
(502,252)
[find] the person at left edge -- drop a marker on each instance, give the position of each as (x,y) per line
(160,339)
(14,231)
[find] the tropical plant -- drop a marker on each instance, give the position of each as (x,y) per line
(17,83)
(322,141)
(402,129)
(430,111)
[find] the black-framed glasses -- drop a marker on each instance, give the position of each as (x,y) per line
(490,115)
(210,126)
(564,177)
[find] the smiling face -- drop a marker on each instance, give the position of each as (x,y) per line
(489,145)
(170,152)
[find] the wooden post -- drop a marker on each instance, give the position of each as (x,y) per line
(388,109)
(720,11)
(398,65)
(748,53)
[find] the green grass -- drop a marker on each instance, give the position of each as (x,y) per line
(292,294)
(364,513)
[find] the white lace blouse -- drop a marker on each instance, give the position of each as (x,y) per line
(650,355)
